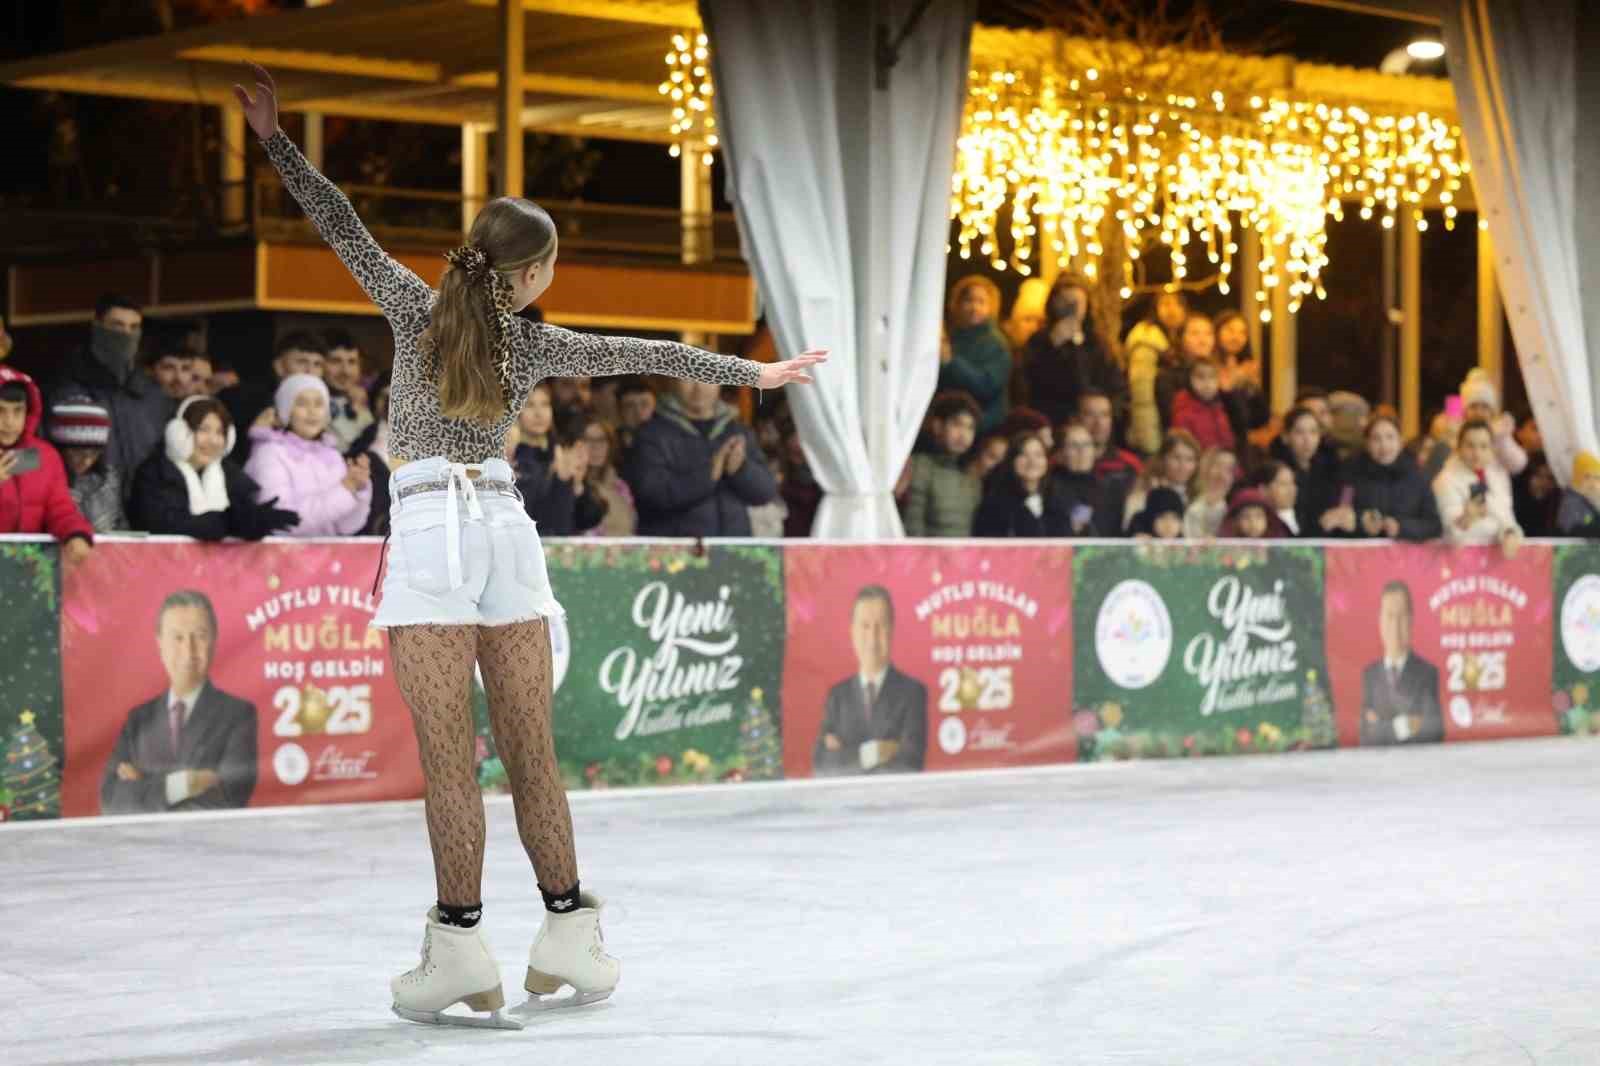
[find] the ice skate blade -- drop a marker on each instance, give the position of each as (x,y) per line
(537,1004)
(493,1020)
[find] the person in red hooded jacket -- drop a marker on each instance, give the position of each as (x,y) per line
(34,496)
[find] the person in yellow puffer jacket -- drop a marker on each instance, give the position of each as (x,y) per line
(1147,342)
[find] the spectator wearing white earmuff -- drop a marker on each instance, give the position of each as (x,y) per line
(191,489)
(301,465)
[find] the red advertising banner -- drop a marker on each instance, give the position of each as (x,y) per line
(1427,643)
(205,676)
(913,657)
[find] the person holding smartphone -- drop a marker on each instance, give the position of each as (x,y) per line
(1474,493)
(34,497)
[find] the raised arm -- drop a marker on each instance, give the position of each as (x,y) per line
(404,298)
(563,353)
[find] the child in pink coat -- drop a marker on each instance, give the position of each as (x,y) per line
(300,465)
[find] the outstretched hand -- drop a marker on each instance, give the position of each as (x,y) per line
(791,371)
(261,111)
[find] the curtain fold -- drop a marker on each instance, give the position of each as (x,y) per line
(842,192)
(1513,64)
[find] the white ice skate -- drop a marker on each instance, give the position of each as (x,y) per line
(569,952)
(456,967)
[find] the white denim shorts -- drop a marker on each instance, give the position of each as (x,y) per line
(462,553)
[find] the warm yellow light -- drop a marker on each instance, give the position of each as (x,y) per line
(689,85)
(1064,158)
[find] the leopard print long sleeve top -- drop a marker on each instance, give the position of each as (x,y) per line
(417,428)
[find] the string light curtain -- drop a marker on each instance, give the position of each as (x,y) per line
(1053,160)
(688,86)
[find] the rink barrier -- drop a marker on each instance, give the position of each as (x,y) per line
(711,662)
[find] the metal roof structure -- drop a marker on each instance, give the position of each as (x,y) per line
(591,67)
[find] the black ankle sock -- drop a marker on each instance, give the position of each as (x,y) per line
(561,902)
(465,917)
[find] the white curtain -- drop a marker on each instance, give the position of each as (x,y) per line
(1513,64)
(842,191)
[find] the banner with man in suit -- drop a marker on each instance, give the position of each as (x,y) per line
(205,676)
(910,657)
(1428,644)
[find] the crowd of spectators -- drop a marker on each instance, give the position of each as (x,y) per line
(1168,433)
(1041,427)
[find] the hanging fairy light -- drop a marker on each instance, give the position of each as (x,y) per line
(1059,155)
(688,86)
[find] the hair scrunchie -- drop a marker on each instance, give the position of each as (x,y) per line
(499,299)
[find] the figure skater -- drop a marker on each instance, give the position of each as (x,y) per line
(466,579)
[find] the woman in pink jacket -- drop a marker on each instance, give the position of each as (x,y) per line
(300,465)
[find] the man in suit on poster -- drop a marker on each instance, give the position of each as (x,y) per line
(1399,692)
(877,720)
(194,746)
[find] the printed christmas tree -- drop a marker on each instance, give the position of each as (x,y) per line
(30,775)
(759,741)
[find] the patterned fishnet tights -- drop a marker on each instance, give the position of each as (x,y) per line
(433,665)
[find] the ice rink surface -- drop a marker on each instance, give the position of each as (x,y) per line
(1367,907)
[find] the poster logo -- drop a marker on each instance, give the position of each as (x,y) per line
(1133,634)
(1580,623)
(952,736)
(291,764)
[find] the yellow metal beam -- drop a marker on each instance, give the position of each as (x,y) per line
(679,14)
(564,85)
(320,62)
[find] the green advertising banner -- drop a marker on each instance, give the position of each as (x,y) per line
(31,741)
(1190,649)
(668,669)
(1575,667)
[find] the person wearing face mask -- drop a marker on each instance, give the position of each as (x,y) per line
(1474,493)
(1068,355)
(191,488)
(977,360)
(107,370)
(301,466)
(1389,496)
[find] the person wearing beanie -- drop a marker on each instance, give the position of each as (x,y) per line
(977,360)
(192,488)
(1579,515)
(81,429)
(298,464)
(1250,517)
(34,497)
(1480,400)
(1162,517)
